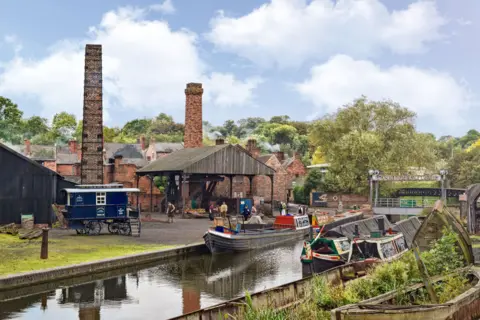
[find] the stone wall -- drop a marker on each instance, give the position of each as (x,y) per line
(348,200)
(193,136)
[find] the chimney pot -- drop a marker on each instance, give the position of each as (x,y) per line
(28,149)
(142,142)
(280,155)
(193,135)
(72,146)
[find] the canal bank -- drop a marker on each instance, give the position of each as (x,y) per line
(67,249)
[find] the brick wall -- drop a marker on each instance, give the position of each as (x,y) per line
(92,135)
(262,184)
(240,186)
(295,169)
(68,169)
(193,136)
(348,200)
(52,165)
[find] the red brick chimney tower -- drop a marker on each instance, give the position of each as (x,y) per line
(92,135)
(28,148)
(193,136)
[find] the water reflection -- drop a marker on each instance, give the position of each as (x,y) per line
(165,290)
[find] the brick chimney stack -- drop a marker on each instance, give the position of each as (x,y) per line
(193,135)
(252,148)
(142,142)
(280,155)
(72,146)
(28,148)
(219,141)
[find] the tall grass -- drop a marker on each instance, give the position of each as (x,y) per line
(443,258)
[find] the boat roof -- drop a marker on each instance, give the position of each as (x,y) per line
(81,190)
(384,238)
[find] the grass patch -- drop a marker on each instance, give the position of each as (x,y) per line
(24,255)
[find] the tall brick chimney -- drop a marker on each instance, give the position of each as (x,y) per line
(28,148)
(72,146)
(92,135)
(280,155)
(142,142)
(252,148)
(193,135)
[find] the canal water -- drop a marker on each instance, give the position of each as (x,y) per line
(159,291)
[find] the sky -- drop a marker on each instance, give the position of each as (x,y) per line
(302,58)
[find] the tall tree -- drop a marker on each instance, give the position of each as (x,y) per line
(371,135)
(135,128)
(10,121)
(64,126)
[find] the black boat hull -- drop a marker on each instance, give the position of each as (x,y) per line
(218,243)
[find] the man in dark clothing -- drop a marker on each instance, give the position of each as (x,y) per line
(246,212)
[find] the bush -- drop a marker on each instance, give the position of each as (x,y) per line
(299,195)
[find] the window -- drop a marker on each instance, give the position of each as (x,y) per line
(101,199)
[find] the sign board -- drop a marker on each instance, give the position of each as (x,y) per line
(301,221)
(462,197)
(79,199)
(319,199)
(427,177)
(100,211)
(121,211)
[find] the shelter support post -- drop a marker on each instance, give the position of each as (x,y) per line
(151,193)
(230,177)
(370,198)
(376,193)
(250,179)
(138,204)
(271,190)
(183,192)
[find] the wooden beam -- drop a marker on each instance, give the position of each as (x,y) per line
(151,194)
(231,186)
(271,191)
(138,205)
(250,178)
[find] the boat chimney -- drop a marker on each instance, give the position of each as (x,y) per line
(381,225)
(356,233)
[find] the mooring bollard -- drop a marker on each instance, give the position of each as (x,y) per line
(44,251)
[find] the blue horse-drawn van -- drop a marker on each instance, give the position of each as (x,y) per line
(89,207)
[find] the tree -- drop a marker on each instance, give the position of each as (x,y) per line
(135,128)
(34,126)
(10,121)
(370,135)
(110,133)
(469,138)
(283,134)
(464,168)
(280,119)
(64,126)
(318,157)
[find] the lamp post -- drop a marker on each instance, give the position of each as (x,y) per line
(443,175)
(373,177)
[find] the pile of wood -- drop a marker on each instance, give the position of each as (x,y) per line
(24,234)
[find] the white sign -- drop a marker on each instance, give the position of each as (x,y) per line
(302,221)
(121,212)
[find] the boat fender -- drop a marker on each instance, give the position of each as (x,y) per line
(335,198)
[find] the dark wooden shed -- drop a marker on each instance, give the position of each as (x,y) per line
(204,167)
(27,187)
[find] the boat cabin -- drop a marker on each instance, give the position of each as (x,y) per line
(291,222)
(99,202)
(384,247)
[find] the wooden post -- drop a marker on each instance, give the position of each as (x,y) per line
(184,178)
(424,274)
(271,192)
(44,249)
(231,186)
(250,178)
(151,194)
(138,205)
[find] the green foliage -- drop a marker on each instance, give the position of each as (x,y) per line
(313,181)
(160,183)
(444,257)
(10,121)
(371,134)
(64,126)
(464,168)
(299,195)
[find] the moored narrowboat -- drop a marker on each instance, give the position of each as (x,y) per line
(235,238)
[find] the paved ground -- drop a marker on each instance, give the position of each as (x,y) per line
(182,231)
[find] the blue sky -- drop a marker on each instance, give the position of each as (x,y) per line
(255,58)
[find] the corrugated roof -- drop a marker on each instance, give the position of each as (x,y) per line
(218,159)
(168,146)
(181,159)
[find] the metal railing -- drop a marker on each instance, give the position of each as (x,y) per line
(404,203)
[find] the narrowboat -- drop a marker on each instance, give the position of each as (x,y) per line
(237,239)
(333,249)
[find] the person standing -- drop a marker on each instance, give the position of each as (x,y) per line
(284,209)
(170,212)
(223,210)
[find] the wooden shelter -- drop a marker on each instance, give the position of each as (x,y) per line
(28,188)
(473,208)
(191,171)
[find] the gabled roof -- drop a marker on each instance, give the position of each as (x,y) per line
(220,159)
(165,147)
(265,158)
(32,162)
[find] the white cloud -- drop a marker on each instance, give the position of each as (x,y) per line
(431,94)
(165,7)
(146,66)
(289,32)
(13,41)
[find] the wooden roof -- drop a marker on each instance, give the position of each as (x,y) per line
(222,159)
